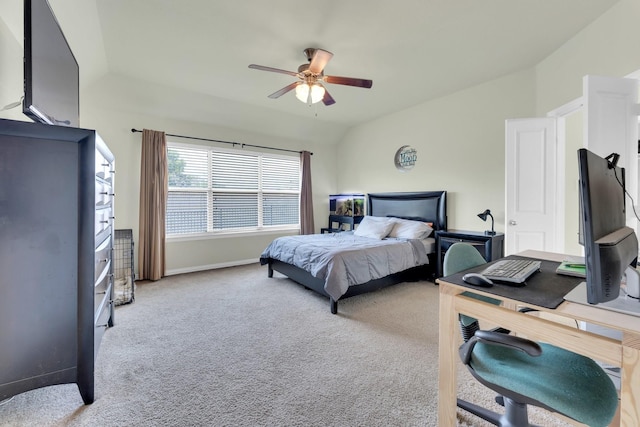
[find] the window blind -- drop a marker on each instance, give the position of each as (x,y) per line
(214,190)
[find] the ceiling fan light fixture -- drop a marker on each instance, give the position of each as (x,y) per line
(309,88)
(317,92)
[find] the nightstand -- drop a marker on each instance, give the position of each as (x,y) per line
(350,221)
(491,247)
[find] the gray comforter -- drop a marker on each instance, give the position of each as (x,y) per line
(343,259)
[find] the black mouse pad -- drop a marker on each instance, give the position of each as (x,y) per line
(545,288)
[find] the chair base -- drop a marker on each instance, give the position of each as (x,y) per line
(515,414)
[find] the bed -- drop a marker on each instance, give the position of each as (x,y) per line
(426,207)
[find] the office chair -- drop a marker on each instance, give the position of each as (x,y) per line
(525,373)
(459,257)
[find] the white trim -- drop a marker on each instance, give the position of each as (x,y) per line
(566,109)
(561,181)
(575,105)
(194,269)
(634,75)
(560,114)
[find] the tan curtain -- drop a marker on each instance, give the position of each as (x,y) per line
(306,197)
(153,202)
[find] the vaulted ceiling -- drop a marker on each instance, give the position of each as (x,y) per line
(189,59)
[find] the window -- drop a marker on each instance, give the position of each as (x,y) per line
(216,190)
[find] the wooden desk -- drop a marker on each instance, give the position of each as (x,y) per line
(625,353)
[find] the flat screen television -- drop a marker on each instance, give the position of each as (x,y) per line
(51,73)
(610,246)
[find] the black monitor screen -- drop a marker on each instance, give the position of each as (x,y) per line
(610,246)
(51,74)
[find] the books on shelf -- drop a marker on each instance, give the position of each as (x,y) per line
(572,268)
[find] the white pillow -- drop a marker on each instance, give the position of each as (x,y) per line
(374,227)
(408,229)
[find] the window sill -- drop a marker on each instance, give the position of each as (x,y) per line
(230,234)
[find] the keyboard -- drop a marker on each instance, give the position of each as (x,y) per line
(511,270)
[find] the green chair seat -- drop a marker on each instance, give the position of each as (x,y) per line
(558,379)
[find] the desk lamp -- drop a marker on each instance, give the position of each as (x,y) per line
(483,216)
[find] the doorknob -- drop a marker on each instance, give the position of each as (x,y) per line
(513,222)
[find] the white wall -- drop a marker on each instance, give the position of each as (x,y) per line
(460,143)
(460,137)
(109,114)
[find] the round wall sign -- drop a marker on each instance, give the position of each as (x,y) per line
(405,158)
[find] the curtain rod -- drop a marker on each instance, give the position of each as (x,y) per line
(133,130)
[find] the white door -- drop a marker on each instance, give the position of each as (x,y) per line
(611,125)
(532,185)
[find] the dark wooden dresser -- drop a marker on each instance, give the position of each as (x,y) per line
(56,284)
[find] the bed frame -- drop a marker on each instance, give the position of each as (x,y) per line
(428,206)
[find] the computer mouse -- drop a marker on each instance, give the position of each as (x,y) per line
(477,279)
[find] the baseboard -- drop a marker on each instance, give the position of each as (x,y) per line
(193,269)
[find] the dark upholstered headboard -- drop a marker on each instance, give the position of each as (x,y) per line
(428,206)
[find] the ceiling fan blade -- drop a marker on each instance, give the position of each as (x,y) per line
(319,60)
(349,81)
(274,70)
(284,90)
(328,99)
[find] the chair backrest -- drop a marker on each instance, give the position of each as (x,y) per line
(461,256)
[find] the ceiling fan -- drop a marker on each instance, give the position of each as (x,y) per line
(310,89)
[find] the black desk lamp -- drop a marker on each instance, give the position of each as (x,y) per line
(483,216)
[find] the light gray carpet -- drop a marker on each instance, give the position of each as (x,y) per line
(231,347)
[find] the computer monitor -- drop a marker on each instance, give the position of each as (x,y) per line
(610,246)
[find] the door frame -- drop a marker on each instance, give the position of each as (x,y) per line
(560,114)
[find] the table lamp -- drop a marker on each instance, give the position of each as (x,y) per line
(483,216)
